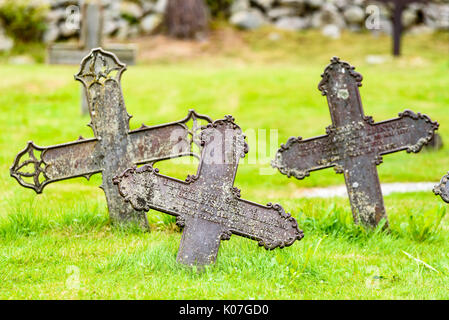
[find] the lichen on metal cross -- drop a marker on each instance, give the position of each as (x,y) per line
(354,143)
(207,204)
(114,147)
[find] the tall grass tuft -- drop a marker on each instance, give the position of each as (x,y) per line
(422,225)
(28,219)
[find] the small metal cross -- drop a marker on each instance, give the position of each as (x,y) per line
(207,204)
(354,143)
(442,189)
(399,6)
(114,147)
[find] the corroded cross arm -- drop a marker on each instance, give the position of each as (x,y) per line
(35,167)
(148,144)
(146,189)
(270,225)
(298,157)
(410,132)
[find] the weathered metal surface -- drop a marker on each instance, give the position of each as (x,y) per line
(399,6)
(354,143)
(207,204)
(114,147)
(442,189)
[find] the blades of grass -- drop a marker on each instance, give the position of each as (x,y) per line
(420,261)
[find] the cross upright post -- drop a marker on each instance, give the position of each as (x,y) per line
(207,204)
(354,143)
(114,147)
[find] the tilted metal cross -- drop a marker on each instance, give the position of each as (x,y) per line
(207,204)
(442,189)
(354,143)
(114,147)
(399,6)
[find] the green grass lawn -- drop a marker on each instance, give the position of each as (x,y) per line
(49,242)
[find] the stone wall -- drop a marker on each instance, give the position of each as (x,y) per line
(333,15)
(125,19)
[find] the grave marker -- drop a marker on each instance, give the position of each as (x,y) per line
(114,147)
(354,143)
(399,6)
(91,37)
(442,189)
(207,204)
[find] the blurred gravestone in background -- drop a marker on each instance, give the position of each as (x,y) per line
(91,20)
(186,19)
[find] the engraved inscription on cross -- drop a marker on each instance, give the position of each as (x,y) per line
(114,147)
(354,143)
(399,6)
(207,204)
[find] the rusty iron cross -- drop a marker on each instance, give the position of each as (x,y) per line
(399,6)
(354,143)
(442,189)
(114,147)
(207,204)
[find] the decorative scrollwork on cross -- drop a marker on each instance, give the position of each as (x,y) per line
(195,130)
(99,66)
(18,167)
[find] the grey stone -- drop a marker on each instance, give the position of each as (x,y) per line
(409,17)
(160,6)
(239,5)
(6,43)
(279,12)
(354,14)
(147,6)
(51,34)
(315,3)
(131,9)
(264,3)
(149,23)
(249,20)
(54,16)
(293,2)
(110,26)
(328,15)
(133,31)
(341,4)
(436,16)
(292,23)
(385,26)
(331,31)
(67,30)
(123,30)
